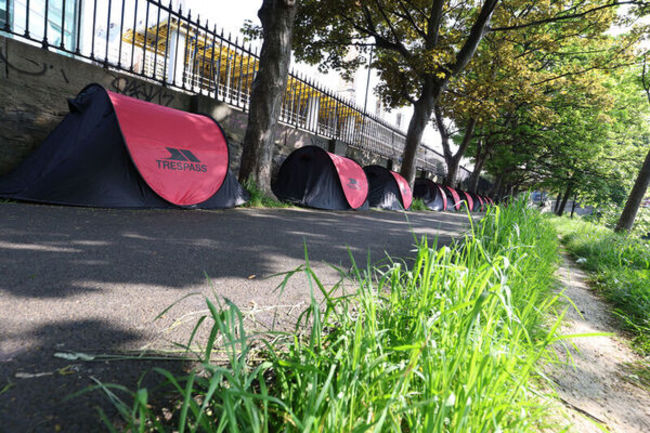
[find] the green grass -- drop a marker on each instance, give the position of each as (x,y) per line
(620,270)
(418,205)
(259,199)
(448,342)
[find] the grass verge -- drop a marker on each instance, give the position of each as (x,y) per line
(447,343)
(620,269)
(418,205)
(259,199)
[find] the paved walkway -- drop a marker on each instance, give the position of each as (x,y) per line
(92,281)
(596,385)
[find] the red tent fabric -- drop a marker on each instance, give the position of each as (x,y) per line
(480,201)
(113,151)
(404,189)
(190,172)
(311,176)
(444,197)
(456,197)
(353,180)
(470,201)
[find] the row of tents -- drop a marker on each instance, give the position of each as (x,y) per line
(313,177)
(115,151)
(440,198)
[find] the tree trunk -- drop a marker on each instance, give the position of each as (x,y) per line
(557,203)
(501,192)
(452,169)
(433,87)
(453,164)
(452,160)
(496,187)
(506,193)
(474,179)
(567,194)
(626,221)
(277,17)
(421,114)
(573,206)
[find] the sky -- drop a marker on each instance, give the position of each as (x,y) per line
(228,15)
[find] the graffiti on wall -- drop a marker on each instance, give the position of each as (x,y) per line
(140,90)
(31,67)
(38,67)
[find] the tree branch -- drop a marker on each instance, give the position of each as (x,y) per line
(467,138)
(476,34)
(398,39)
(371,31)
(644,75)
(433,26)
(407,16)
(568,17)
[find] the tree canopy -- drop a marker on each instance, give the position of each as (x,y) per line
(539,93)
(424,51)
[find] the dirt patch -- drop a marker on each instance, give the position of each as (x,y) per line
(596,387)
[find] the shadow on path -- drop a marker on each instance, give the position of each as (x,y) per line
(93,280)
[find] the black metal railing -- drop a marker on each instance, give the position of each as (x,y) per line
(161,43)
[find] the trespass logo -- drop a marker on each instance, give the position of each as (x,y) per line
(353,184)
(181,160)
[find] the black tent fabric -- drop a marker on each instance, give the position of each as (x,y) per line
(467,201)
(453,199)
(309,177)
(429,192)
(85,162)
(383,190)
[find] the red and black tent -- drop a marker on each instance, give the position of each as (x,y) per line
(431,194)
(466,198)
(313,177)
(387,189)
(119,152)
(453,198)
(478,202)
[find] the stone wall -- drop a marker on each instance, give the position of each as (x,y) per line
(35,84)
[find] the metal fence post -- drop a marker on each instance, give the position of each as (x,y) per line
(45,23)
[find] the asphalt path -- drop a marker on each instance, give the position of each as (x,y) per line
(92,281)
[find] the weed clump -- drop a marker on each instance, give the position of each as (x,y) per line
(448,342)
(418,205)
(259,198)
